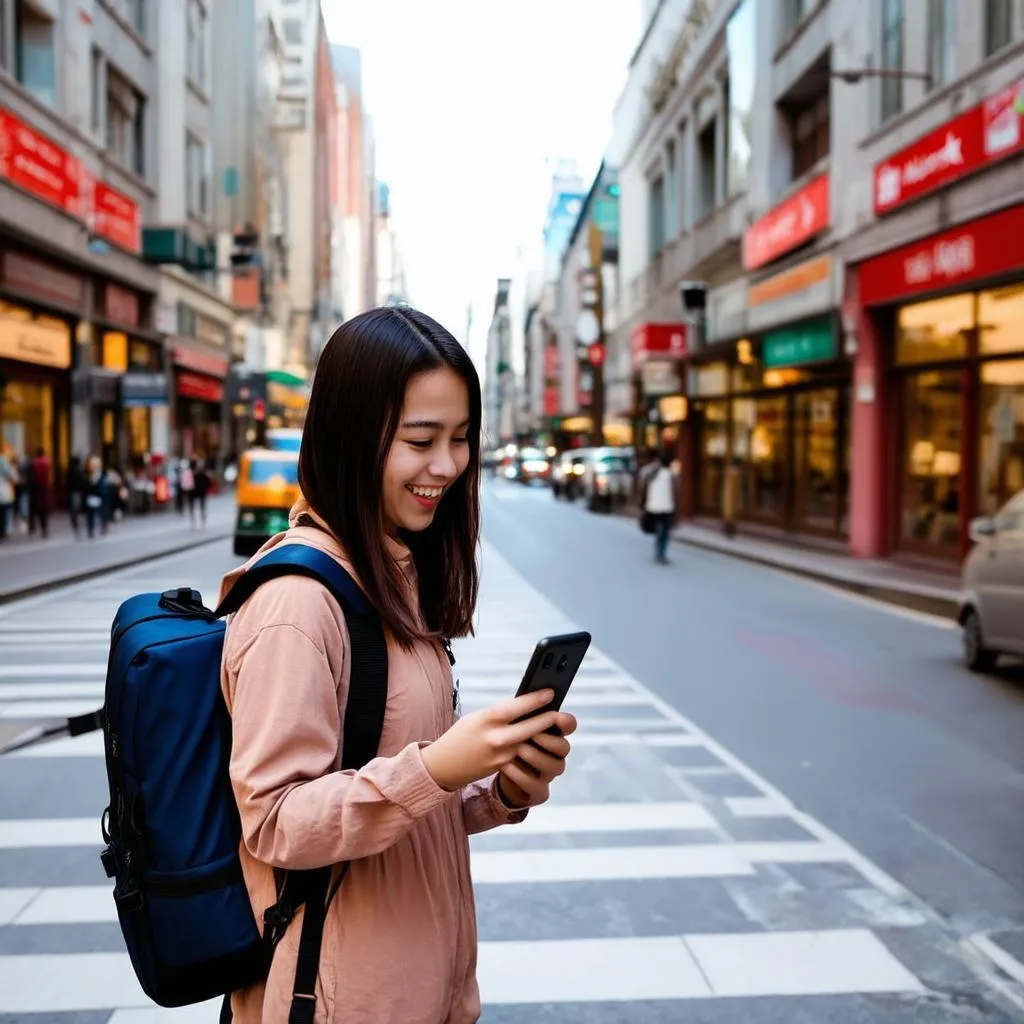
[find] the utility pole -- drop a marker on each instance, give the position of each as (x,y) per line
(597,351)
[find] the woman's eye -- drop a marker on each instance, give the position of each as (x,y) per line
(420,444)
(460,440)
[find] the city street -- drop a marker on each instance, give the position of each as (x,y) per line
(784,804)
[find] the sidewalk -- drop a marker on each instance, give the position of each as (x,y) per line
(29,565)
(934,592)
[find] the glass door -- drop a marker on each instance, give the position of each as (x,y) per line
(819,477)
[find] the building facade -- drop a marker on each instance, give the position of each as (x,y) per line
(81,368)
(844,302)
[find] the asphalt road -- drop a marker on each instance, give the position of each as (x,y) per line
(784,803)
(861,713)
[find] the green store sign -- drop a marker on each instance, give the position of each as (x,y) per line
(809,343)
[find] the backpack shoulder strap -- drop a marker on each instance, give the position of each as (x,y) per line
(364,722)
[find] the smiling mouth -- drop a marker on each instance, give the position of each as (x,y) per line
(426,495)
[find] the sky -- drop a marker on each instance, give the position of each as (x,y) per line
(473,103)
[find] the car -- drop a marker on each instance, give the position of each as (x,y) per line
(991,613)
(607,479)
(567,472)
(533,465)
(268,486)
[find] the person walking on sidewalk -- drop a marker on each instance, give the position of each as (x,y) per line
(660,504)
(390,470)
(40,493)
(76,492)
(9,479)
(201,484)
(95,496)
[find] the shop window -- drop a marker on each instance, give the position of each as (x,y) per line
(767,445)
(97,91)
(126,112)
(942,41)
(115,351)
(934,331)
(26,417)
(1001,434)
(810,127)
(932,431)
(892,58)
(713,419)
(707,162)
(1001,320)
(818,471)
(138,430)
(34,41)
(998,25)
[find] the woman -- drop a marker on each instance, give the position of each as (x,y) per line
(9,480)
(389,468)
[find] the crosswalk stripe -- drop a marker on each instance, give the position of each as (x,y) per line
(682,967)
(50,691)
(40,833)
(54,670)
(31,709)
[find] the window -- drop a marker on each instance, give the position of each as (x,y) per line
(942,41)
(136,13)
(707,159)
(671,192)
(657,216)
(934,331)
(126,111)
(811,130)
(197,179)
(97,92)
(892,57)
(6,18)
(196,44)
(793,12)
(998,25)
(34,52)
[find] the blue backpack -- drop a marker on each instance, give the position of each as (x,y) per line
(172,828)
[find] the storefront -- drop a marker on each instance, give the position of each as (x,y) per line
(657,351)
(199,401)
(123,344)
(40,307)
(777,407)
(940,383)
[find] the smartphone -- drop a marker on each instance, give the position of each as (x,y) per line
(554,664)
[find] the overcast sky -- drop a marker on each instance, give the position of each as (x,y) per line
(469,99)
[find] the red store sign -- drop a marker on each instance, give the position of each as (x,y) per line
(983,135)
(29,160)
(201,362)
(552,400)
(964,255)
(659,341)
(791,224)
(551,362)
(195,385)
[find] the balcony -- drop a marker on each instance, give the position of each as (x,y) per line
(712,244)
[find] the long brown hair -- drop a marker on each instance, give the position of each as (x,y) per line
(354,409)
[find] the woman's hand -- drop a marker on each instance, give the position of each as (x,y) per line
(526,780)
(481,743)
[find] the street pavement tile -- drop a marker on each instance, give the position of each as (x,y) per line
(610,909)
(26,939)
(689,757)
(730,784)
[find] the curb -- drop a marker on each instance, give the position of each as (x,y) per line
(936,603)
(930,604)
(9,596)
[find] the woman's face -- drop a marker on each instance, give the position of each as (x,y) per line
(430,450)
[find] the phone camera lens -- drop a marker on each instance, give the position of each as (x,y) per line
(548,658)
(563,663)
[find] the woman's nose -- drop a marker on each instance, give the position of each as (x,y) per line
(443,463)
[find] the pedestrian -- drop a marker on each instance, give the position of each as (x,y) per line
(76,492)
(390,470)
(732,484)
(660,504)
(187,488)
(40,494)
(202,481)
(94,496)
(9,480)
